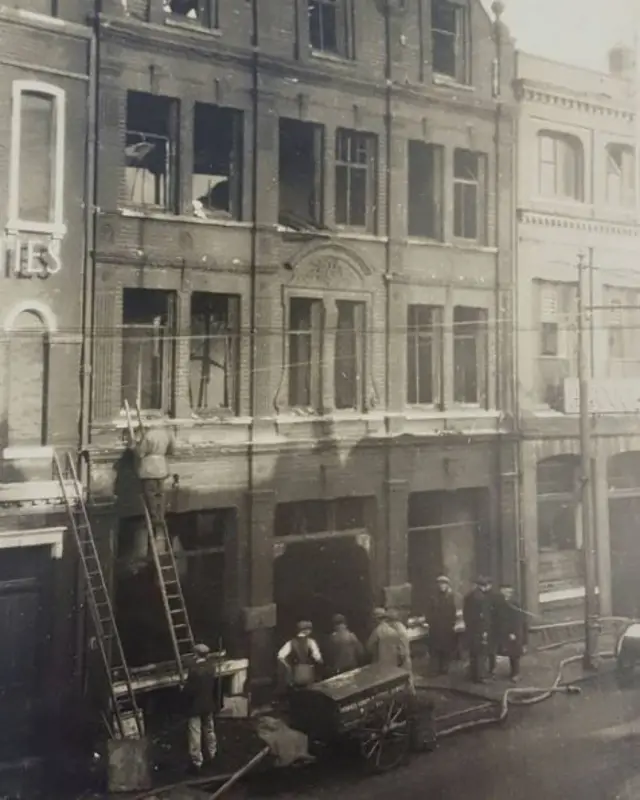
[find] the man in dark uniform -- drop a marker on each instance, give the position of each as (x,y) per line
(201,705)
(442,623)
(509,625)
(477,619)
(496,601)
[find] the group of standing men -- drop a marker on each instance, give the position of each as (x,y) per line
(493,624)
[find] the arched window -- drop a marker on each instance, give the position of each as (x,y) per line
(621,177)
(27,379)
(560,166)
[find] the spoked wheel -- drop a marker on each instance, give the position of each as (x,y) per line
(385,739)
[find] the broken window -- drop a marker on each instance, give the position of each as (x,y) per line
(150,152)
(424,355)
(300,174)
(469,192)
(450,39)
(215,352)
(217,161)
(560,165)
(470,355)
(203,11)
(621,178)
(329,29)
(304,517)
(305,353)
(147,348)
(356,179)
(349,374)
(426,188)
(549,321)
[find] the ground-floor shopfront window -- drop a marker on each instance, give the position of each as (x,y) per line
(623,475)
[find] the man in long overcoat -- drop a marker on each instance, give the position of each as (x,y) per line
(477,621)
(509,626)
(442,623)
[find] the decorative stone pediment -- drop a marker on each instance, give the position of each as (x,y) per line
(329,267)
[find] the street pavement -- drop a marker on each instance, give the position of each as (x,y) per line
(583,746)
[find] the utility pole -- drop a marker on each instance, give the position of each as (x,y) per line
(586,478)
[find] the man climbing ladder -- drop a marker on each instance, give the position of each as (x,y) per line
(151,449)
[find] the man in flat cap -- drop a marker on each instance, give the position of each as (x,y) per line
(201,705)
(300,657)
(477,622)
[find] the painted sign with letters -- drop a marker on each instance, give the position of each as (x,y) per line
(28,255)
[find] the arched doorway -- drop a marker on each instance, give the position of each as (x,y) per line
(559,529)
(623,476)
(28,380)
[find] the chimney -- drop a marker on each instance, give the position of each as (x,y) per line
(622,61)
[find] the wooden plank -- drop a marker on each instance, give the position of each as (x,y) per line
(44,492)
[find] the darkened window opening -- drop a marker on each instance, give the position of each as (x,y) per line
(214,359)
(204,12)
(349,359)
(557,485)
(425,190)
(549,332)
(621,175)
(424,355)
(470,355)
(305,353)
(320,516)
(217,161)
(38,163)
(300,174)
(356,179)
(561,165)
(151,150)
(469,187)
(147,348)
(450,39)
(329,26)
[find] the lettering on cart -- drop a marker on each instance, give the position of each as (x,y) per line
(30,255)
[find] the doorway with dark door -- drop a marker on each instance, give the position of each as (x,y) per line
(25,633)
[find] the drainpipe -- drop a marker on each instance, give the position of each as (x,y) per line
(498,7)
(87,321)
(388,269)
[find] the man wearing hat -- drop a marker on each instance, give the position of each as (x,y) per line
(477,622)
(201,705)
(300,657)
(442,623)
(345,649)
(385,645)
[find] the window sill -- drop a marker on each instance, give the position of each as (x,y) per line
(53,229)
(460,244)
(414,238)
(194,26)
(564,202)
(360,235)
(167,216)
(332,58)
(473,244)
(445,80)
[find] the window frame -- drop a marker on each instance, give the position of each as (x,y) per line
(480,183)
(233,334)
(437,200)
(436,342)
(208,15)
(360,317)
(343,31)
(370,168)
(56,227)
(626,195)
(462,43)
(570,142)
(319,136)
(481,338)
(316,391)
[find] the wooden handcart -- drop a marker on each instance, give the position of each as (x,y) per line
(369,707)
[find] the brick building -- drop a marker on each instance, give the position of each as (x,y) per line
(44,100)
(302,248)
(577,194)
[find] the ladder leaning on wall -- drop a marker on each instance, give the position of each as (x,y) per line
(127,717)
(164,560)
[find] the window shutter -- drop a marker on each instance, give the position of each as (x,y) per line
(106,384)
(549,304)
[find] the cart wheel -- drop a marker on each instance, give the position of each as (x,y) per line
(386,739)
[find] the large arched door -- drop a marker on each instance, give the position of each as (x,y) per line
(28,379)
(623,475)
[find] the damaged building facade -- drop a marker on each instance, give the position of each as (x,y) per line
(303,263)
(45,94)
(578,203)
